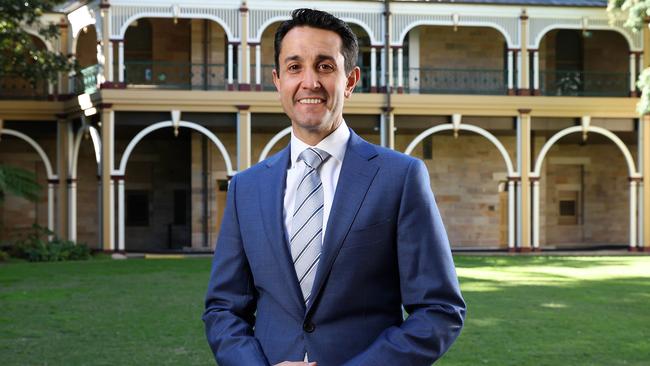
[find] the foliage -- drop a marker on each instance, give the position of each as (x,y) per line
(36,248)
(21,57)
(634,12)
(18,182)
(4,256)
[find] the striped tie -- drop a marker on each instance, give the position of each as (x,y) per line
(307,221)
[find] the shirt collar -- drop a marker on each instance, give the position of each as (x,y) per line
(334,144)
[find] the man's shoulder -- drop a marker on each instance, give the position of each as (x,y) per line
(388,156)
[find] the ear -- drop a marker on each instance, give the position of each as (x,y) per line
(276,80)
(352,79)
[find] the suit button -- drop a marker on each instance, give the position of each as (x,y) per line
(308,327)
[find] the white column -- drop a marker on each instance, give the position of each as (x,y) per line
(511,213)
(120,61)
(535,193)
(240,64)
(382,74)
(109,61)
(641,208)
(111,202)
(247,61)
(120,215)
(535,70)
(633,191)
(632,72)
(100,209)
(391,73)
(510,71)
(400,66)
(72,209)
(373,67)
(50,207)
(258,65)
(230,63)
(518,63)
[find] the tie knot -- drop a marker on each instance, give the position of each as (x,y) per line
(313,157)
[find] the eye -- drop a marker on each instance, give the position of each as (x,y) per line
(326,67)
(293,67)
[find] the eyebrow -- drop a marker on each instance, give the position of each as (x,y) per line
(319,58)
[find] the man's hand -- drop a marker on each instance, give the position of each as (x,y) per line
(294,363)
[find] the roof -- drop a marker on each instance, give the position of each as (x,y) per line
(574,3)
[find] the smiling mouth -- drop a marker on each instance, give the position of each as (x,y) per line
(311,101)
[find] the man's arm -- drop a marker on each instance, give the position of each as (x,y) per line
(428,283)
(231,300)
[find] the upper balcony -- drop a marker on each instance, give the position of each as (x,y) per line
(466,54)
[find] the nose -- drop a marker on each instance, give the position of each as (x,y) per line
(310,79)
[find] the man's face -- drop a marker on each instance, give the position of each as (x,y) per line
(312,81)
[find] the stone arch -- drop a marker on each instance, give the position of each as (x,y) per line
(274,140)
(540,36)
(214,18)
(633,175)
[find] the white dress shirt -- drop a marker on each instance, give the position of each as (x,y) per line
(335,145)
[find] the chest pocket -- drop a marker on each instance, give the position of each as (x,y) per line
(374,234)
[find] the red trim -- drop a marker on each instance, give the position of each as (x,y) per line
(243,107)
(511,92)
(524,92)
(537,92)
(524,111)
(634,94)
(373,89)
(400,90)
(245,87)
(525,249)
(258,87)
(231,87)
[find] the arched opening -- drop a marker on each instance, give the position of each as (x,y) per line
(470,175)
(172,188)
(584,62)
(28,145)
(175,53)
(16,87)
(583,199)
(86,48)
(463,60)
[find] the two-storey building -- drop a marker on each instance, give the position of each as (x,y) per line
(523,111)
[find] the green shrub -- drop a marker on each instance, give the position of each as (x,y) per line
(4,256)
(36,248)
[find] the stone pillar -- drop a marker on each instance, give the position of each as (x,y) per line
(64,155)
(382,74)
(245,62)
(108,196)
(645,172)
(243,137)
(524,165)
(524,83)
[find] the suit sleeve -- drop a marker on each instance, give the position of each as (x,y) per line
(231,298)
(428,283)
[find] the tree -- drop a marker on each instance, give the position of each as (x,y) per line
(18,182)
(19,55)
(634,12)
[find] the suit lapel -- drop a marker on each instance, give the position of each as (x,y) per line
(272,186)
(357,173)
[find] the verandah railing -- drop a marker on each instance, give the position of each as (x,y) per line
(584,83)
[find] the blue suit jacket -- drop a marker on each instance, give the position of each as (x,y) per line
(385,246)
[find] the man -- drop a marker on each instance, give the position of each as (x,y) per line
(322,244)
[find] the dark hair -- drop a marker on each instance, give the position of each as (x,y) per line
(322,20)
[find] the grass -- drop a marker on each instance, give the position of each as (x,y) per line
(521,311)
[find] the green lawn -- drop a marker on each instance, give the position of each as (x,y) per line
(521,311)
